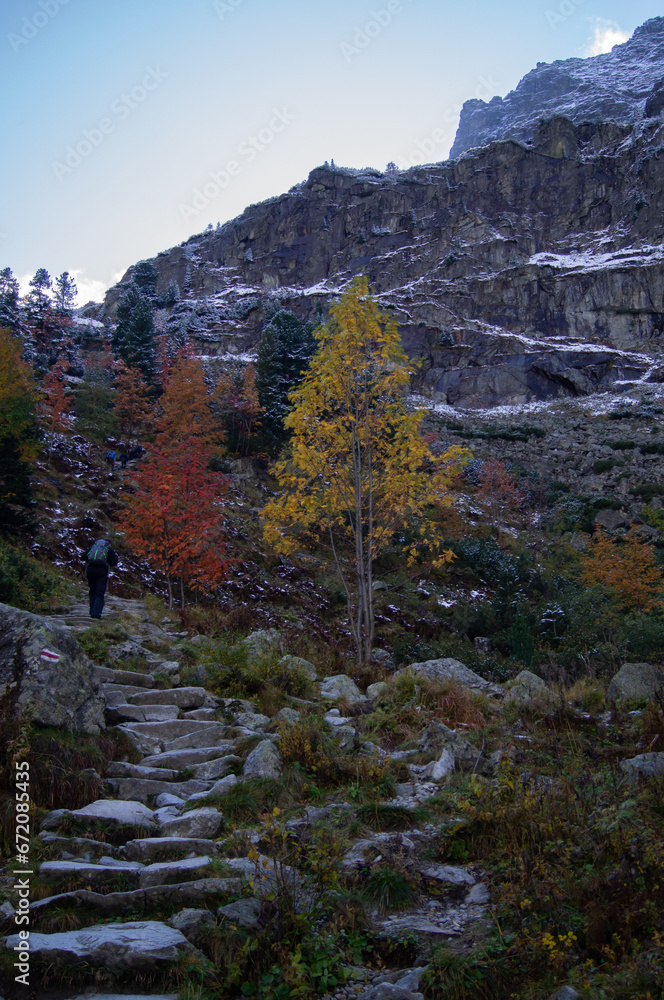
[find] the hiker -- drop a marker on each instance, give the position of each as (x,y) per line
(99,557)
(110,458)
(123,460)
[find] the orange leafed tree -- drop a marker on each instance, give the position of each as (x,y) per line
(185,405)
(625,568)
(238,402)
(498,493)
(133,408)
(174,515)
(57,402)
(174,518)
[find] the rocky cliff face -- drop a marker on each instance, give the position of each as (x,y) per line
(622,86)
(521,272)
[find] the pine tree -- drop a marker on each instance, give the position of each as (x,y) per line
(284,351)
(64,295)
(134,337)
(186,411)
(38,303)
(145,276)
(626,568)
(237,399)
(172,295)
(9,290)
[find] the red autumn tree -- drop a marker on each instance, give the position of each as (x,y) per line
(133,407)
(174,515)
(498,495)
(57,402)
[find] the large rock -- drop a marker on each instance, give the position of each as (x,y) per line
(161,873)
(185,697)
(143,946)
(529,689)
(202,823)
(636,682)
(264,761)
(107,812)
(448,669)
(295,664)
(340,687)
(245,913)
(439,738)
(648,765)
(47,675)
(263,643)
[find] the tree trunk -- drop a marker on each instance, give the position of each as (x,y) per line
(181,591)
(170,593)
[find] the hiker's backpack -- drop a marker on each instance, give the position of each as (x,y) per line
(99,551)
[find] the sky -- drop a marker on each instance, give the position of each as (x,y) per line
(130,125)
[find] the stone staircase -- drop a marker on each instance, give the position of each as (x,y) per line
(149,847)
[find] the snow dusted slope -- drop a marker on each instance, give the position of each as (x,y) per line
(518,273)
(620,86)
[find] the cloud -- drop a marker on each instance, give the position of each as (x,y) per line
(605,35)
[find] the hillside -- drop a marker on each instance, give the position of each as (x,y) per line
(519,272)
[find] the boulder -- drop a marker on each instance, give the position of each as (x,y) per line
(611,519)
(438,738)
(263,762)
(186,697)
(648,765)
(529,689)
(125,996)
(447,873)
(341,688)
(212,770)
(443,767)
(108,811)
(47,675)
(142,946)
(244,912)
(203,823)
(389,991)
(295,664)
(636,682)
(377,691)
(192,923)
(263,643)
(448,669)
(565,993)
(288,715)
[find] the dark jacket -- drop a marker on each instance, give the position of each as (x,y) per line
(110,560)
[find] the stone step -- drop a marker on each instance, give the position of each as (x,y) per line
(217,734)
(183,697)
(123,769)
(168,731)
(152,849)
(109,814)
(119,713)
(109,676)
(142,789)
(57,872)
(189,757)
(115,904)
(204,822)
(202,714)
(77,845)
(168,872)
(126,690)
(144,945)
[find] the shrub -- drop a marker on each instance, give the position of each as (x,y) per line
(605,465)
(309,745)
(27,583)
(622,445)
(643,636)
(653,448)
(390,889)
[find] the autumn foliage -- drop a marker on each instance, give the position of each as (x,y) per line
(133,409)
(360,471)
(174,515)
(57,402)
(625,568)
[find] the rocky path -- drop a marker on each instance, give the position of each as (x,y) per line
(151,845)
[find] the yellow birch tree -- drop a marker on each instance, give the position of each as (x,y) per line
(359,471)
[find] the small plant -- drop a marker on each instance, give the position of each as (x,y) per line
(390,889)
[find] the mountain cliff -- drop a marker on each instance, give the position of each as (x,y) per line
(622,86)
(520,272)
